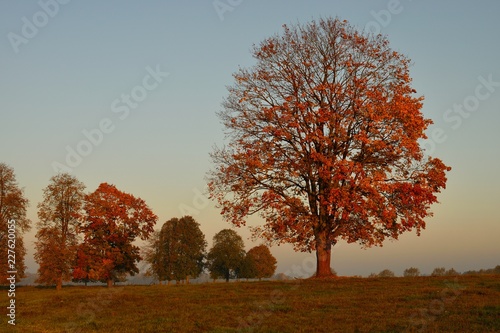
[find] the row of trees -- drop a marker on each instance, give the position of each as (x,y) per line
(84,237)
(227,258)
(178,252)
(439,271)
(87,237)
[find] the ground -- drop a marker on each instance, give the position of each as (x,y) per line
(423,304)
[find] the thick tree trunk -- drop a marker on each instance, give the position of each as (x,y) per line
(323,256)
(110,283)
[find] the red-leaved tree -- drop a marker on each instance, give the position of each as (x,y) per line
(112,222)
(324,138)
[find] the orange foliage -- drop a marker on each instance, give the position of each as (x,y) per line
(113,220)
(324,142)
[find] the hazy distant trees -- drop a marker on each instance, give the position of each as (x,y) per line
(177,252)
(227,254)
(59,214)
(411,272)
(383,273)
(386,273)
(113,220)
(440,271)
(13,223)
(451,272)
(495,271)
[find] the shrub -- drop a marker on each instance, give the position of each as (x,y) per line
(441,271)
(386,273)
(411,272)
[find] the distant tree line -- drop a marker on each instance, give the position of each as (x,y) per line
(489,271)
(439,271)
(178,252)
(89,237)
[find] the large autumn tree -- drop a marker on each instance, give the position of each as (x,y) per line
(112,222)
(13,206)
(324,135)
(59,216)
(177,252)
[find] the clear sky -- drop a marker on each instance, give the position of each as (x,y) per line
(68,66)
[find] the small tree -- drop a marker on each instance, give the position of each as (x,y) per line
(440,271)
(386,273)
(179,250)
(411,272)
(262,262)
(451,272)
(227,254)
(58,215)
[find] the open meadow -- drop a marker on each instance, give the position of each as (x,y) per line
(420,304)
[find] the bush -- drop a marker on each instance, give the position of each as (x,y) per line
(411,272)
(386,273)
(441,271)
(452,272)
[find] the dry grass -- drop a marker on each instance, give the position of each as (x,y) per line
(424,304)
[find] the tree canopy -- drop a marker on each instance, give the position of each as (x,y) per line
(259,263)
(113,220)
(177,252)
(13,207)
(324,139)
(226,256)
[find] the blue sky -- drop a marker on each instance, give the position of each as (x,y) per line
(67,70)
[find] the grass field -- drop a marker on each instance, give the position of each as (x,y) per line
(423,304)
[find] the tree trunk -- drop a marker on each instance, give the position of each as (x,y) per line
(110,283)
(323,256)
(59,283)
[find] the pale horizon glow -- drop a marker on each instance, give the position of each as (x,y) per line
(151,76)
